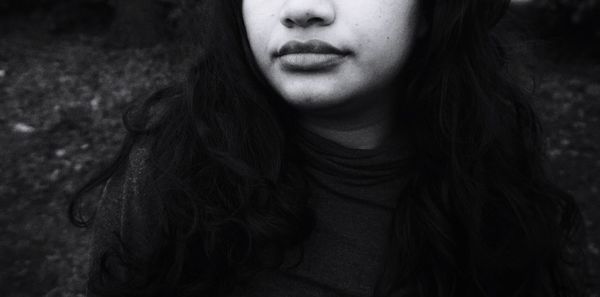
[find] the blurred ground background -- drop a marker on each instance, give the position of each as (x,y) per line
(68,70)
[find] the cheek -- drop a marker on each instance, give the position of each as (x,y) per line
(389,36)
(259,22)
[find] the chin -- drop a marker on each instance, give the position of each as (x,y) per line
(313,100)
(313,95)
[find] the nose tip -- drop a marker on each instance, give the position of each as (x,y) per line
(306,13)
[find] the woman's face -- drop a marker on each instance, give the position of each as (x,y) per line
(322,53)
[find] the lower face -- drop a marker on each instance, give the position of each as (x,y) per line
(373,39)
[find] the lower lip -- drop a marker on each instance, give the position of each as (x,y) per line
(310,62)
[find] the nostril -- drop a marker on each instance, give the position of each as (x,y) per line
(290,23)
(312,21)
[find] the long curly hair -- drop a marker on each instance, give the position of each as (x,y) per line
(478,217)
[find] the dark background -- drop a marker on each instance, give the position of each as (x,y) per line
(68,68)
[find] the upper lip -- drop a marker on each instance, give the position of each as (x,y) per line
(309,47)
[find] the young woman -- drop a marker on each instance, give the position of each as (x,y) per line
(336,148)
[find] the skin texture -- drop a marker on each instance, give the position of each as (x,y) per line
(352,99)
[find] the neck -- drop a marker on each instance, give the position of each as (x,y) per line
(366,137)
(365,128)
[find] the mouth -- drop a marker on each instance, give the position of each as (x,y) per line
(313,55)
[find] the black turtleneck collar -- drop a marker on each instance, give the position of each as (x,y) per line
(372,175)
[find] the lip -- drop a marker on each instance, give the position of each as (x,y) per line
(311,55)
(313,46)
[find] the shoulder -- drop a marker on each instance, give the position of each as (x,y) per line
(125,221)
(126,202)
(127,215)
(123,206)
(126,212)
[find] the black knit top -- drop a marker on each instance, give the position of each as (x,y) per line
(353,193)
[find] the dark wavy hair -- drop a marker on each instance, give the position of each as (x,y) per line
(479,216)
